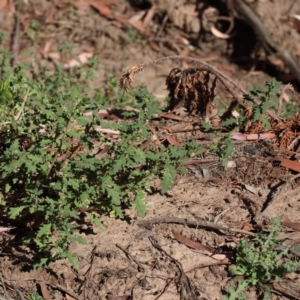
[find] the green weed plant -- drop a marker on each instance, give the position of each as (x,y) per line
(260,261)
(267,98)
(48,172)
(35,296)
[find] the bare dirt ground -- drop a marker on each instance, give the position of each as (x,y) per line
(121,260)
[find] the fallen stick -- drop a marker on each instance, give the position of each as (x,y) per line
(193,222)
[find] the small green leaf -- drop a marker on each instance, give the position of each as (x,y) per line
(44,230)
(118,165)
(42,261)
(39,243)
(172,171)
(7,187)
(266,123)
(114,194)
(79,240)
(140,203)
(148,188)
(265,106)
(73,134)
(256,113)
(207,127)
(73,260)
(229,121)
(15,211)
(167,181)
(118,211)
(83,120)
(141,157)
(228,148)
(96,221)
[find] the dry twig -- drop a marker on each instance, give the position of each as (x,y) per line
(14,286)
(140,267)
(194,222)
(186,290)
(4,288)
(16,40)
(72,294)
(88,272)
(166,287)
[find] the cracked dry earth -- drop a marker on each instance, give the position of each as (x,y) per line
(122,260)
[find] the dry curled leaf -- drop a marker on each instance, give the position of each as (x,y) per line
(195,245)
(173,141)
(44,291)
(289,164)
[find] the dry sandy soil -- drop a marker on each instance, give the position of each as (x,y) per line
(122,260)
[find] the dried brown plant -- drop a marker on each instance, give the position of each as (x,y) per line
(192,89)
(255,127)
(248,111)
(288,133)
(127,79)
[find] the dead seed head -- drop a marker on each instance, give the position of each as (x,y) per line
(126,80)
